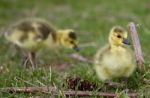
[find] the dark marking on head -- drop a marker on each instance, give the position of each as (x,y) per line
(45,29)
(118,30)
(72,35)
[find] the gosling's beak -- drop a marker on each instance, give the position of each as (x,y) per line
(76,48)
(126,41)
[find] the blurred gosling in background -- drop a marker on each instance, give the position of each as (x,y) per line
(31,35)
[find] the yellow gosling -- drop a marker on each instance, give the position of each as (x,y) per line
(115,59)
(31,35)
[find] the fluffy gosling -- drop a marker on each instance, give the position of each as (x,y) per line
(31,35)
(115,59)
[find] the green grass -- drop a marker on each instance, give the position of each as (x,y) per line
(92,20)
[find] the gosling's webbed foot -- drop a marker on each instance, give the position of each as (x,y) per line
(112,84)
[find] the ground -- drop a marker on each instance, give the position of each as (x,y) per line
(92,20)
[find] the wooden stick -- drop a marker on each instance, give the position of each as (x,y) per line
(28,89)
(54,91)
(98,94)
(136,45)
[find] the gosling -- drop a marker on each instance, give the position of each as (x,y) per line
(115,60)
(32,35)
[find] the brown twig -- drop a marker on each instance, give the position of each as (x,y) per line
(28,89)
(98,94)
(54,91)
(137,45)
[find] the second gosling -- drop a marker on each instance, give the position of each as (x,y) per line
(115,59)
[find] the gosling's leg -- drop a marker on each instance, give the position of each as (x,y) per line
(106,85)
(126,85)
(29,58)
(25,59)
(24,55)
(32,59)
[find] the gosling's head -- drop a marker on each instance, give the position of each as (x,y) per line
(118,36)
(68,39)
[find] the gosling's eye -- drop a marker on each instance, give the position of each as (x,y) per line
(118,36)
(71,42)
(72,32)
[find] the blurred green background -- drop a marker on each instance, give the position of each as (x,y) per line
(92,20)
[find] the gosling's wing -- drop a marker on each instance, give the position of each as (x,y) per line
(43,30)
(20,30)
(131,54)
(101,52)
(102,73)
(36,29)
